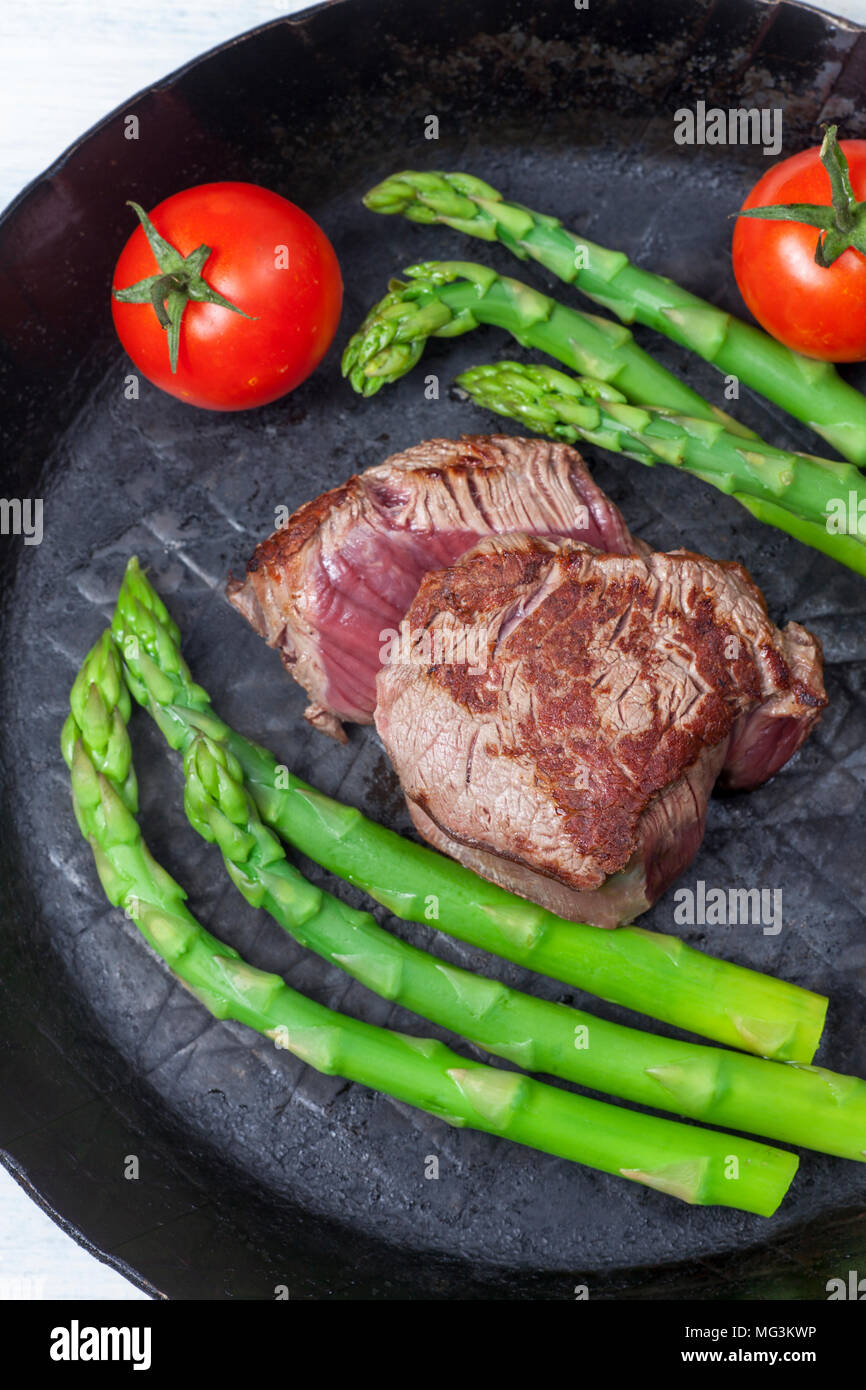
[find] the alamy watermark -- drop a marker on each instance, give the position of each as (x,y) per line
(76,1343)
(22,1287)
(853,1288)
(22,516)
(739,125)
(846,516)
(405,646)
(757,907)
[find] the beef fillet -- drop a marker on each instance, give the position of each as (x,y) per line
(572,760)
(327,586)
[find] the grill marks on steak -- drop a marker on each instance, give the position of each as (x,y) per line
(347,565)
(576,768)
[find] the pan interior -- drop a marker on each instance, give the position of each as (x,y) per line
(191,492)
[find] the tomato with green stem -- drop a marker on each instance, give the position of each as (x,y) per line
(805,286)
(226,296)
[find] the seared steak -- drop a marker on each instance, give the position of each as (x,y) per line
(575,769)
(326,587)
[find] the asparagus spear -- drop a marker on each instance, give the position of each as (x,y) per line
(445,299)
(810,391)
(796,1105)
(697,1165)
(646,971)
(794,492)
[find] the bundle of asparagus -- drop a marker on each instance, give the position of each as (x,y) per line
(795,1104)
(811,391)
(696,1165)
(794,492)
(799,1105)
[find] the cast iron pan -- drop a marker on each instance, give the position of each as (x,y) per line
(254,1170)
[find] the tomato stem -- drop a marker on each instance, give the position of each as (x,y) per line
(178,280)
(841,222)
(159,292)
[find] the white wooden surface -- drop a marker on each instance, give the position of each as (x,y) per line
(63,65)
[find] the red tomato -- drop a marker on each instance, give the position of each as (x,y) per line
(269,259)
(819,312)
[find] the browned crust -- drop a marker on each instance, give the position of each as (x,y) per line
(278,549)
(600,823)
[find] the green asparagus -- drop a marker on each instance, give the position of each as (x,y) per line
(447,298)
(797,1105)
(697,1165)
(649,972)
(794,492)
(811,391)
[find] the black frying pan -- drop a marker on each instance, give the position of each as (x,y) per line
(254,1170)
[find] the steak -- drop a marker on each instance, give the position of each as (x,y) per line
(332,585)
(573,759)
